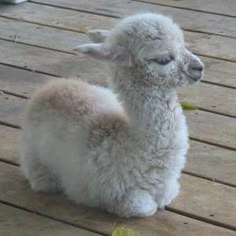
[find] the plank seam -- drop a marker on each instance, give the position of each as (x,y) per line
(213,143)
(167,208)
(58,76)
(3,123)
(218,84)
(201,218)
(51,217)
(105,15)
(183,172)
(209,178)
(185,8)
(216,112)
(38,46)
(199,108)
(9,162)
(82,32)
(28,69)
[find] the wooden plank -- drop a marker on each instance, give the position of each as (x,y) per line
(9,144)
(51,62)
(22,223)
(203,159)
(217,71)
(203,125)
(207,199)
(210,97)
(214,6)
(212,128)
(17,31)
(211,161)
(16,190)
(191,20)
(11,109)
(222,100)
(15,80)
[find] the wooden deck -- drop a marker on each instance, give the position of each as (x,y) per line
(36,42)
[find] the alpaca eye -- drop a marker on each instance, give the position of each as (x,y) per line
(163,60)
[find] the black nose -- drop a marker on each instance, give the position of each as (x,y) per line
(197,67)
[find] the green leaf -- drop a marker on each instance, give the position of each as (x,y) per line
(122,231)
(188,106)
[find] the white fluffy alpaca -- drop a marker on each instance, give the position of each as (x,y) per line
(123,155)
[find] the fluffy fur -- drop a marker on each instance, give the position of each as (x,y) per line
(123,154)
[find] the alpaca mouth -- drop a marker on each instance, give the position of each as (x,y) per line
(195,78)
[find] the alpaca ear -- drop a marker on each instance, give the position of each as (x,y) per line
(98,36)
(104,52)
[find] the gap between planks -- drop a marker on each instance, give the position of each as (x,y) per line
(58,76)
(215,180)
(198,107)
(167,208)
(73,53)
(184,8)
(51,218)
(99,14)
(200,218)
(119,17)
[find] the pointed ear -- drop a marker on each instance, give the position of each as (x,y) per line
(104,52)
(98,36)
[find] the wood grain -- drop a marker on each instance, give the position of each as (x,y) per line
(222,100)
(164,223)
(202,125)
(218,200)
(203,159)
(33,34)
(190,20)
(214,6)
(22,223)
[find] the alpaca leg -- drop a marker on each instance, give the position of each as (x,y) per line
(41,180)
(137,203)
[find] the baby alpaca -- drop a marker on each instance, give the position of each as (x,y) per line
(122,154)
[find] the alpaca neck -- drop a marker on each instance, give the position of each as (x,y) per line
(145,106)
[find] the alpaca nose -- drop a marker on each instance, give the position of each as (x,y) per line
(197,67)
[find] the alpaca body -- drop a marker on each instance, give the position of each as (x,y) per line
(106,157)
(123,154)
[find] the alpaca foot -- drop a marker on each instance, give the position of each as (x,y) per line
(170,195)
(43,184)
(137,204)
(41,180)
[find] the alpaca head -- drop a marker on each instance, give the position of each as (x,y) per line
(150,46)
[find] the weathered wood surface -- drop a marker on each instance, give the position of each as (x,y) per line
(200,197)
(211,97)
(226,7)
(212,127)
(203,125)
(16,222)
(191,20)
(18,31)
(222,100)
(16,190)
(211,161)
(203,159)
(9,148)
(62,64)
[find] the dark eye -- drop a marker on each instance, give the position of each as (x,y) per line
(163,60)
